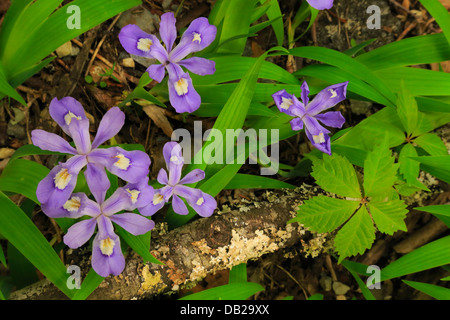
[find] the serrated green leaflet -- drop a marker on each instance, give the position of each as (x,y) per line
(407,110)
(325,214)
(356,235)
(336,174)
(389,216)
(432,144)
(408,167)
(380,171)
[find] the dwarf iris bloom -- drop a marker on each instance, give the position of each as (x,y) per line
(55,189)
(308,113)
(321,4)
(197,37)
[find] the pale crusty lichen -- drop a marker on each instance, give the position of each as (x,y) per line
(151,281)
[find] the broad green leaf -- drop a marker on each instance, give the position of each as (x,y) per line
(438,166)
(325,214)
(247,181)
(7,89)
(407,110)
(231,291)
(442,212)
(380,171)
(317,296)
(437,292)
(389,216)
(362,285)
(238,274)
(18,228)
(22,176)
(22,272)
(336,174)
(274,13)
(30,149)
(432,144)
(356,235)
(89,284)
(431,255)
(440,14)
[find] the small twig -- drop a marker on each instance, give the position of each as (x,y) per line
(407,30)
(295,280)
(330,267)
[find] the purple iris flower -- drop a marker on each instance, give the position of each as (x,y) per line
(54,190)
(174,187)
(308,113)
(321,4)
(197,37)
(107,256)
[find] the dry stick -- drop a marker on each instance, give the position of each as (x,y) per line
(196,249)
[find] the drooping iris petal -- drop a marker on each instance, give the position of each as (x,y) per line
(65,110)
(332,119)
(156,203)
(296,124)
(194,176)
(288,103)
(55,189)
(200,66)
(138,194)
(317,134)
(327,98)
(76,206)
(107,256)
(321,4)
(168,30)
(109,126)
(179,206)
(162,176)
(203,203)
(140,43)
(199,35)
(156,72)
(117,202)
(79,233)
(133,223)
(50,141)
(97,181)
(182,94)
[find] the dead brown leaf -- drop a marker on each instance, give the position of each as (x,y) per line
(158,116)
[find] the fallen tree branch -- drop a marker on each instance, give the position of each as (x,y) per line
(197,249)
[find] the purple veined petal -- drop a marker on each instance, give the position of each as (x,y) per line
(168,30)
(117,202)
(192,177)
(156,72)
(179,206)
(197,37)
(327,98)
(75,207)
(133,223)
(288,103)
(321,4)
(140,43)
(110,125)
(50,141)
(55,189)
(305,93)
(200,66)
(203,203)
(162,177)
(64,110)
(79,131)
(79,233)
(173,156)
(317,134)
(97,181)
(107,256)
(156,203)
(296,124)
(332,119)
(131,166)
(182,94)
(139,194)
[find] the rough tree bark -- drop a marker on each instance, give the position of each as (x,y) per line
(197,249)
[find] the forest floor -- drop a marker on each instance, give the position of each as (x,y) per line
(295,271)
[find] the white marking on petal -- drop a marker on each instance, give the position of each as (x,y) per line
(62,178)
(285,103)
(144,44)
(197,37)
(320,138)
(175,159)
(73,204)
(333,93)
(107,246)
(181,87)
(200,201)
(123,162)
(68,117)
(134,194)
(158,198)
